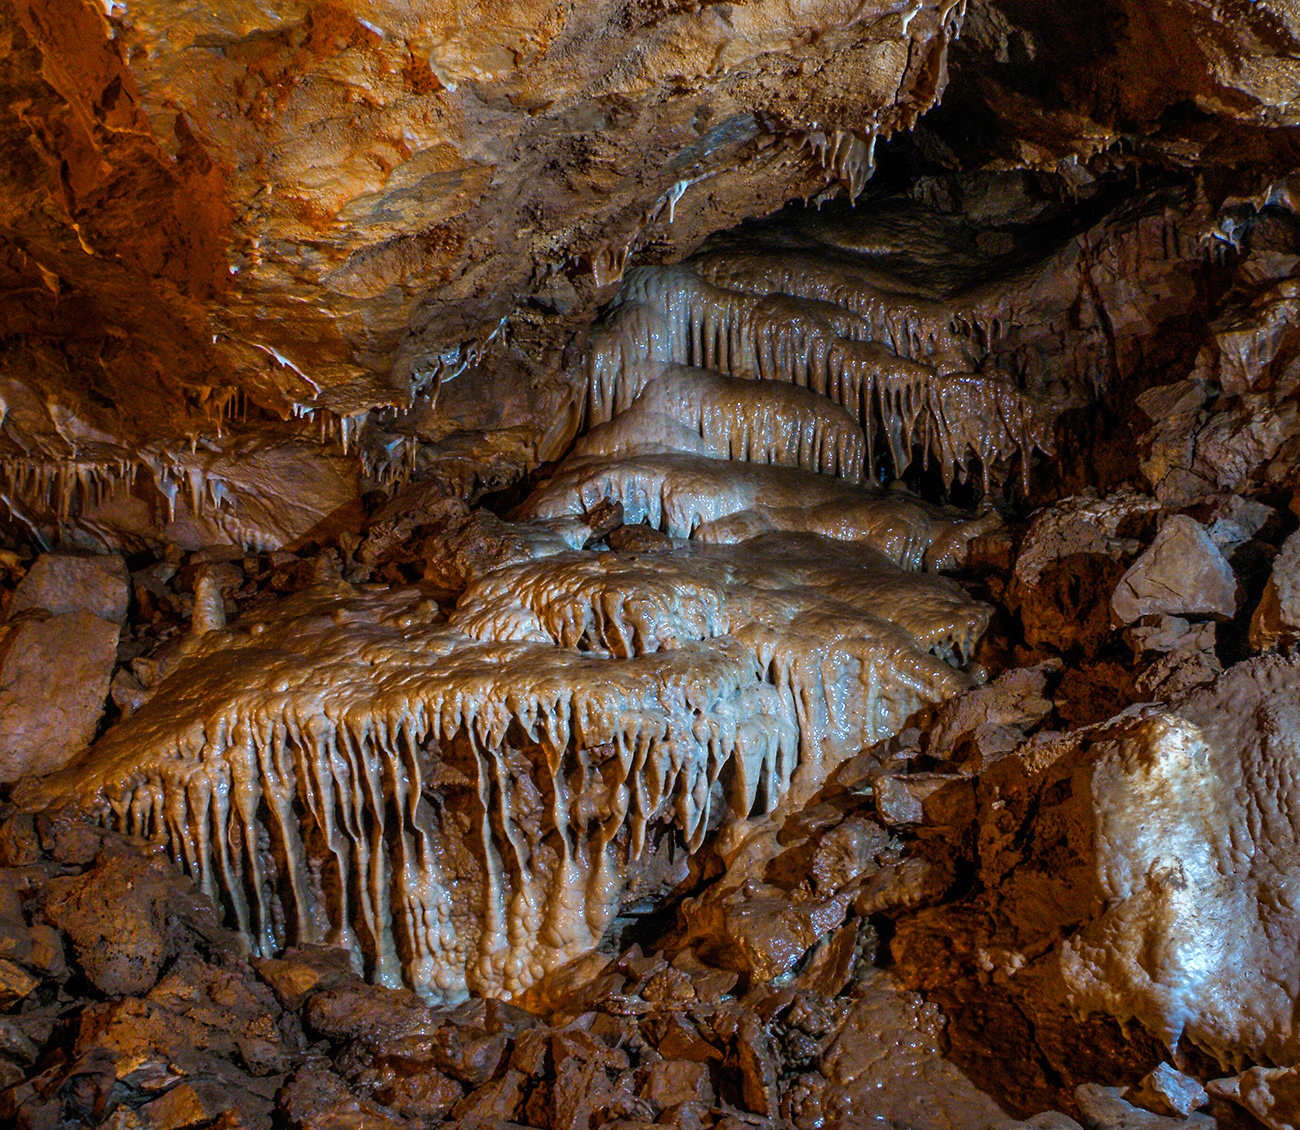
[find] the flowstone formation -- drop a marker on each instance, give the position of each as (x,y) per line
(465,802)
(475,486)
(806,305)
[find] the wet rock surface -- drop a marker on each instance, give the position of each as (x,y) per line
(315,321)
(872,953)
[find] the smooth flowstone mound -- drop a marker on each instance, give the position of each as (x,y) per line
(465,802)
(1197,809)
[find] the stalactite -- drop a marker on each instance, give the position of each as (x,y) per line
(584,699)
(712,500)
(694,410)
(824,326)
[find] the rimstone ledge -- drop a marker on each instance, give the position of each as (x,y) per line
(717,566)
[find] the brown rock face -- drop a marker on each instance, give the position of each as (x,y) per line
(54,679)
(61,584)
(115,918)
(482,412)
(1182,573)
(328,205)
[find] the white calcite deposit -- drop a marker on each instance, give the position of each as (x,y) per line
(461,802)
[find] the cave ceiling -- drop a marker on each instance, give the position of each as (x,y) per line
(294,209)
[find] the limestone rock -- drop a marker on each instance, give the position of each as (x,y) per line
(1234,520)
(303,971)
(1104,1108)
(1073,555)
(1277,617)
(994,718)
(918,798)
(1271,1094)
(1177,655)
(54,680)
(670,1082)
(115,917)
(15,983)
(1184,820)
(1168,1091)
(180,1107)
(1162,633)
(60,583)
(1175,411)
(1177,671)
(886,1059)
(1182,573)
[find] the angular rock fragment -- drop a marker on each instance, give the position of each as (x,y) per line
(61,584)
(1168,1091)
(1234,520)
(115,917)
(1105,1108)
(1182,573)
(15,983)
(54,680)
(991,720)
(1276,619)
(1271,1094)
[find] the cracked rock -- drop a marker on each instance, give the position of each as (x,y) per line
(1104,1108)
(1271,1094)
(1182,573)
(1072,557)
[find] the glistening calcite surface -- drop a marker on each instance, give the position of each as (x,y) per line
(236,241)
(464,804)
(1197,839)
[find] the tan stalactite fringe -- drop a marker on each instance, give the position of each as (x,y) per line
(295,765)
(887,360)
(463,803)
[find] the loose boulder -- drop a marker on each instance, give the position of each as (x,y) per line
(61,583)
(54,680)
(1182,573)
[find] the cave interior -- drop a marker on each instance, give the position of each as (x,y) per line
(660,562)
